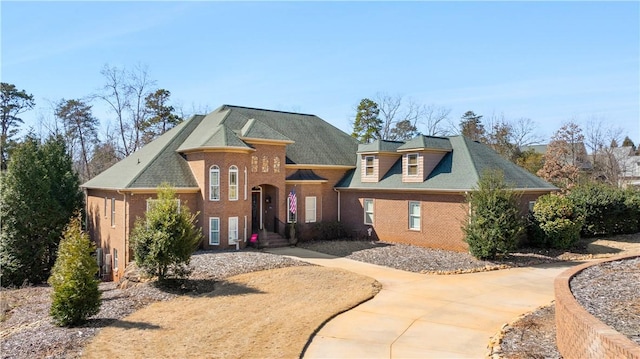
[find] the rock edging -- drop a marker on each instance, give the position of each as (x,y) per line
(582,335)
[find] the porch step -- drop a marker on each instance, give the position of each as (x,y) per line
(274,240)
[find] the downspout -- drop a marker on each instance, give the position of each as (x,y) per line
(86,208)
(124,227)
(335,189)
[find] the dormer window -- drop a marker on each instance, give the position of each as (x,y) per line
(368,166)
(412,164)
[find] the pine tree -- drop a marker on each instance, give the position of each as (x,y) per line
(164,240)
(40,192)
(75,295)
(367,125)
(495,222)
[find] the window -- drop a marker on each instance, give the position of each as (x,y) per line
(531,204)
(368,166)
(105,207)
(214,183)
(233,183)
(233,230)
(115,259)
(412,164)
(113,212)
(414,216)
(292,209)
(368,211)
(214,231)
(310,209)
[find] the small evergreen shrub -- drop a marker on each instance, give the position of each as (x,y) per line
(495,223)
(556,222)
(75,295)
(165,239)
(607,210)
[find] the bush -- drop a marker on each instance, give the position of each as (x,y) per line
(607,210)
(75,295)
(164,240)
(556,222)
(330,230)
(495,222)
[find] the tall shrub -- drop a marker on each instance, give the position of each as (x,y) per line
(164,240)
(39,192)
(495,222)
(75,294)
(557,221)
(607,210)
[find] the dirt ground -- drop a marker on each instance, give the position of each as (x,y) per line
(268,314)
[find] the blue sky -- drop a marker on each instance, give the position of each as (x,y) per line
(548,61)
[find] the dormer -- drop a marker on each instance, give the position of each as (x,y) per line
(376,159)
(421,155)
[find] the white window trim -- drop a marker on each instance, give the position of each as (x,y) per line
(366,167)
(233,232)
(214,169)
(409,165)
(413,215)
(211,242)
(308,209)
(232,170)
(291,217)
(364,207)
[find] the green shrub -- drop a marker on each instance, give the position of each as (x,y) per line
(75,295)
(330,230)
(556,221)
(607,210)
(164,240)
(494,223)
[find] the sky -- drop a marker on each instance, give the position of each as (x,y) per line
(552,62)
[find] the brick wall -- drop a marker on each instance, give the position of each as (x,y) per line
(440,224)
(579,334)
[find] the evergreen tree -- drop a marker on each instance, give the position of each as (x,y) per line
(164,240)
(80,126)
(471,126)
(12,103)
(628,142)
(367,125)
(162,116)
(75,295)
(39,193)
(495,222)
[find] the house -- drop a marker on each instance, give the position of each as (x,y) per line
(240,168)
(576,154)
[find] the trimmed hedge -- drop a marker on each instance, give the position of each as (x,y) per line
(607,210)
(556,222)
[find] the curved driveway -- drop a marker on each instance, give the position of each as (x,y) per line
(427,316)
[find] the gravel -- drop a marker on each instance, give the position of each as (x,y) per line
(433,261)
(609,292)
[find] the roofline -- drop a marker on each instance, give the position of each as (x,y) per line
(441,190)
(233,149)
(141,190)
(424,149)
(266,141)
(390,153)
(317,167)
(264,109)
(305,181)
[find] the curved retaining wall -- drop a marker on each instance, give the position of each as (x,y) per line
(581,335)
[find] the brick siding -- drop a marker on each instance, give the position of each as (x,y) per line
(579,334)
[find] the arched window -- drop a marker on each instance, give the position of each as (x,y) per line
(214,183)
(233,183)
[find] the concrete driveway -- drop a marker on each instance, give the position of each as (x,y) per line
(427,316)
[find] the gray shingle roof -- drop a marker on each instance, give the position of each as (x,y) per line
(153,164)
(305,175)
(380,146)
(427,142)
(316,142)
(459,170)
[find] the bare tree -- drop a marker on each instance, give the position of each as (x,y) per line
(388,106)
(434,119)
(564,156)
(125,92)
(80,126)
(607,159)
(523,132)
